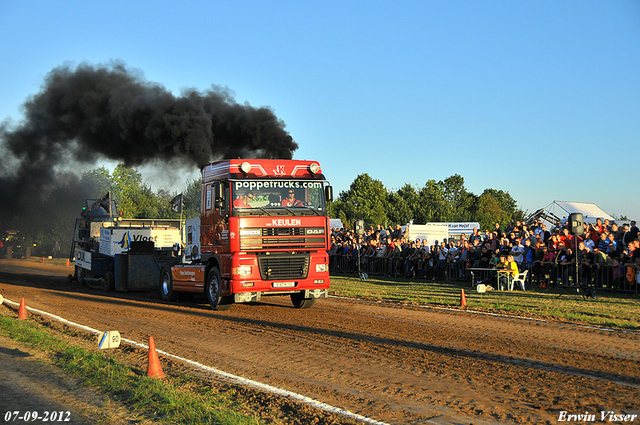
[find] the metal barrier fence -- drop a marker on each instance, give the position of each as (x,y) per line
(620,278)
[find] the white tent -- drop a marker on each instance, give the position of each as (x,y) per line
(590,212)
(336,223)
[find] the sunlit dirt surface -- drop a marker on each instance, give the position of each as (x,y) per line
(396,364)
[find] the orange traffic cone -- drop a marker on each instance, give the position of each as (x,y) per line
(67,262)
(155,369)
(42,260)
(22,310)
(463,299)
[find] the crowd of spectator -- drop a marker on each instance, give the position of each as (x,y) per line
(605,255)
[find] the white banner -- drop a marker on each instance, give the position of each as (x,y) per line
(461,227)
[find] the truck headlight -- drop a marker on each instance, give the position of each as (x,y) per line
(321,268)
(245,167)
(241,270)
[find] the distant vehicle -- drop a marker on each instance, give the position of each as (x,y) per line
(432,232)
(119,254)
(12,245)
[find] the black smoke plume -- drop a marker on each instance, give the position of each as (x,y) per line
(93,113)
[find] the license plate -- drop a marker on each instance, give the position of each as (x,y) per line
(284,284)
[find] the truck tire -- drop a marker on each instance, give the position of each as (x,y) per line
(80,275)
(109,282)
(213,290)
(166,285)
(299,301)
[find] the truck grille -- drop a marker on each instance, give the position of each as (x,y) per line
(283,266)
(278,231)
(285,238)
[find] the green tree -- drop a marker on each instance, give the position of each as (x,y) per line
(403,205)
(508,205)
(337,211)
(192,199)
(135,199)
(433,205)
(489,210)
(97,182)
(164,197)
(399,211)
(459,199)
(365,200)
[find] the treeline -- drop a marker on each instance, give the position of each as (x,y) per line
(366,199)
(136,199)
(53,218)
(437,201)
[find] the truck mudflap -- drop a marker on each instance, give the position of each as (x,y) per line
(247,297)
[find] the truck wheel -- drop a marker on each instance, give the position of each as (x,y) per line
(80,274)
(109,282)
(299,301)
(166,285)
(213,290)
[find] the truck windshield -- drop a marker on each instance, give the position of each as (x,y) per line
(268,194)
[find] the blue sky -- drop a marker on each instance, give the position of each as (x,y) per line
(539,98)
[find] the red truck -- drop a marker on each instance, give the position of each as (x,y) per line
(263,230)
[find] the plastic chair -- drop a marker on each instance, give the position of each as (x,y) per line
(521,278)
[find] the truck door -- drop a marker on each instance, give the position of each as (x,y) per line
(215,224)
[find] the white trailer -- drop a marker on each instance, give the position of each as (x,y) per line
(432,232)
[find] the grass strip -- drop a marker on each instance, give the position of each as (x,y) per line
(162,401)
(610,310)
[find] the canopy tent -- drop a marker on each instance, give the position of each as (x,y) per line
(590,212)
(560,210)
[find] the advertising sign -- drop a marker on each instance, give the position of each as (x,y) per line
(456,229)
(83,259)
(115,240)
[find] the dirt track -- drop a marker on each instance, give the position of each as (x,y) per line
(400,365)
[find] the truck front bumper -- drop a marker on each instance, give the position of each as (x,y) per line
(247,297)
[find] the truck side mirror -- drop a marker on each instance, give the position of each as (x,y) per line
(219,196)
(328,193)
